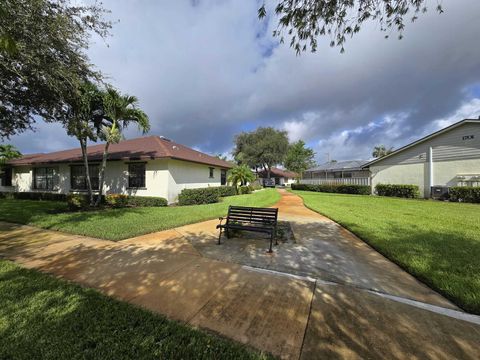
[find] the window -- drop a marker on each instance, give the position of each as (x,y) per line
(136,175)
(78,179)
(44,178)
(223,177)
(211,172)
(6,178)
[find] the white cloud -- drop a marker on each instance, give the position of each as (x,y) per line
(205,70)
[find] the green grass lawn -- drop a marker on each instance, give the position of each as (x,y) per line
(438,242)
(118,224)
(42,317)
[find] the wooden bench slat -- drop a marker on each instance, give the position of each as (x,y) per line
(251,219)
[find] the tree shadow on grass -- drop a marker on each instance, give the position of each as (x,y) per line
(45,318)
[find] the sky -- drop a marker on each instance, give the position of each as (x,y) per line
(205,70)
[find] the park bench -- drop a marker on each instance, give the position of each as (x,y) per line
(254,219)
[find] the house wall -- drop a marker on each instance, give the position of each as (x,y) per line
(163,177)
(188,175)
(454,152)
(156,179)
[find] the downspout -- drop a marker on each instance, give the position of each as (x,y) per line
(430,170)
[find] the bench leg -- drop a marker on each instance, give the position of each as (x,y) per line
(219,237)
(275,234)
(271,243)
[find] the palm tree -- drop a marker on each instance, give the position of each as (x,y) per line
(84,122)
(240,174)
(120,111)
(8,152)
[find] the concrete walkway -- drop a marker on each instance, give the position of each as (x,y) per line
(327,296)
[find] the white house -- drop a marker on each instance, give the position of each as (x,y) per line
(279,176)
(446,158)
(146,166)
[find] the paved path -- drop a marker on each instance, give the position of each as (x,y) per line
(327,296)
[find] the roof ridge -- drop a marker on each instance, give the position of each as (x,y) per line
(162,145)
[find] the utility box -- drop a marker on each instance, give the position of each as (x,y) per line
(439,192)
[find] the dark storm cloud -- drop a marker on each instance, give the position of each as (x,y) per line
(204,69)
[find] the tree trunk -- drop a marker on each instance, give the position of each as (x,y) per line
(83,146)
(102,174)
(269,171)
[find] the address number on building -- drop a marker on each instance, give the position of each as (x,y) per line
(468,137)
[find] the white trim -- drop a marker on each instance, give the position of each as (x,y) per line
(428,137)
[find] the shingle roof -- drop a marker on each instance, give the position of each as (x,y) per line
(144,148)
(340,165)
(279,173)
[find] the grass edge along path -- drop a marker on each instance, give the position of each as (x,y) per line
(437,242)
(119,224)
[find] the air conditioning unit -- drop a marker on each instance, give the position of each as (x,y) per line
(440,192)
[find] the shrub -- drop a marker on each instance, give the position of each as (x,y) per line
(242,190)
(121,200)
(256,186)
(78,201)
(331,188)
(116,200)
(199,196)
(397,190)
(354,189)
(146,201)
(33,196)
(465,194)
(224,191)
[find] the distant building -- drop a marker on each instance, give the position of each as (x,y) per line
(281,177)
(338,172)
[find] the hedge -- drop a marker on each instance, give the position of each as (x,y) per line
(397,190)
(464,194)
(224,191)
(206,195)
(331,188)
(199,196)
(245,190)
(121,200)
(81,201)
(33,196)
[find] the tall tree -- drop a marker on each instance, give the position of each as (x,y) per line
(245,151)
(262,148)
(120,112)
(381,150)
(299,158)
(240,174)
(43,58)
(8,152)
(304,21)
(84,121)
(272,147)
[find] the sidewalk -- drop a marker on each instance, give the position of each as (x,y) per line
(329,296)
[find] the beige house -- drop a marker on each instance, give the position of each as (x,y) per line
(279,176)
(147,166)
(446,158)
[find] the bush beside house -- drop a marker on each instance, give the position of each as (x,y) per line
(397,190)
(209,195)
(331,188)
(33,196)
(464,194)
(81,201)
